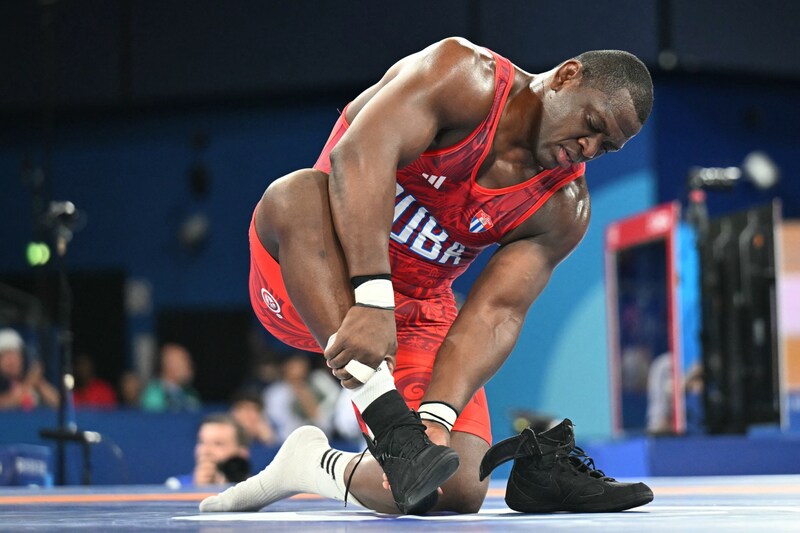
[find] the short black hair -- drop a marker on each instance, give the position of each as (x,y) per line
(242,438)
(247,395)
(614,70)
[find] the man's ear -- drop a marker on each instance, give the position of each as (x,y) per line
(569,72)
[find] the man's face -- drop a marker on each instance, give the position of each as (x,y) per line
(217,443)
(11,363)
(249,416)
(177,365)
(580,124)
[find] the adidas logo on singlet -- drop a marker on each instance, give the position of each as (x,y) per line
(436,181)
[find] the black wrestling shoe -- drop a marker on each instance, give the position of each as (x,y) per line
(415,466)
(551,474)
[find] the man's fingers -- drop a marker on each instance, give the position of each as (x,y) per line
(348,380)
(341,374)
(351,383)
(341,359)
(330,349)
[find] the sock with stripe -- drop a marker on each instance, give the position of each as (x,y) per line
(305,463)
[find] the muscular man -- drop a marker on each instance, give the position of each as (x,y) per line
(453,150)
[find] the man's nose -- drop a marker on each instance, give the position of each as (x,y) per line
(591,147)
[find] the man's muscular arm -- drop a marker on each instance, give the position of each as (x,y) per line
(424,94)
(489,323)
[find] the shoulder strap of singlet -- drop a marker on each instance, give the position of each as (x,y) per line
(503,80)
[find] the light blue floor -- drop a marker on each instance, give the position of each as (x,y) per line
(708,504)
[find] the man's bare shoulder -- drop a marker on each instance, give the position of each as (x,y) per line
(459,73)
(459,60)
(561,223)
(453,76)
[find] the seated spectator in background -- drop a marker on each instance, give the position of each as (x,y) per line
(90,390)
(345,428)
(172,390)
(22,388)
(265,371)
(247,408)
(130,389)
(221,455)
(302,397)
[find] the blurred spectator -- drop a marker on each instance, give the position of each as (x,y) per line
(265,371)
(345,426)
(172,390)
(660,395)
(22,388)
(130,389)
(302,397)
(90,390)
(221,455)
(247,408)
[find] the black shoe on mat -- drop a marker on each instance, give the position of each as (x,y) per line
(415,466)
(551,474)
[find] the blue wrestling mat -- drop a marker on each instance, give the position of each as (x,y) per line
(747,503)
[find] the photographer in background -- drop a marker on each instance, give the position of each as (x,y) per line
(221,455)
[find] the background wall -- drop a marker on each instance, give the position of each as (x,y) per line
(137,85)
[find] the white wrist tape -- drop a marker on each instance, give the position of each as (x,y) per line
(375,293)
(360,371)
(439,412)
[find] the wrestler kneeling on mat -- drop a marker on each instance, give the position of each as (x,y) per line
(453,150)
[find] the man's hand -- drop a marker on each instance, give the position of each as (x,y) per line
(206,473)
(34,375)
(367,335)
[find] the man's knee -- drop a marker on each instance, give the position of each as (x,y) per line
(465,492)
(290,201)
(293,192)
(463,499)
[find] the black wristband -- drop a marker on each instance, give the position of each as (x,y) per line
(358,280)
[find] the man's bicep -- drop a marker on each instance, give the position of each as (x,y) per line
(396,125)
(442,89)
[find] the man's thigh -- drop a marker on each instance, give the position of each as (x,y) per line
(412,376)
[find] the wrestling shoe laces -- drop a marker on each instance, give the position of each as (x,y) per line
(573,457)
(415,466)
(551,473)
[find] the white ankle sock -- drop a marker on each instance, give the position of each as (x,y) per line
(380,383)
(305,463)
(375,386)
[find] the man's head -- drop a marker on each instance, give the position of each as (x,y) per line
(84,369)
(247,408)
(612,71)
(176,364)
(130,388)
(221,438)
(12,360)
(592,104)
(296,368)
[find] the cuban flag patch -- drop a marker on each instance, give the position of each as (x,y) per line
(480,222)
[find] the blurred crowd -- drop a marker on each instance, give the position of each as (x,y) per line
(281,392)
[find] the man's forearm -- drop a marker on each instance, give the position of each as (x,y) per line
(470,355)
